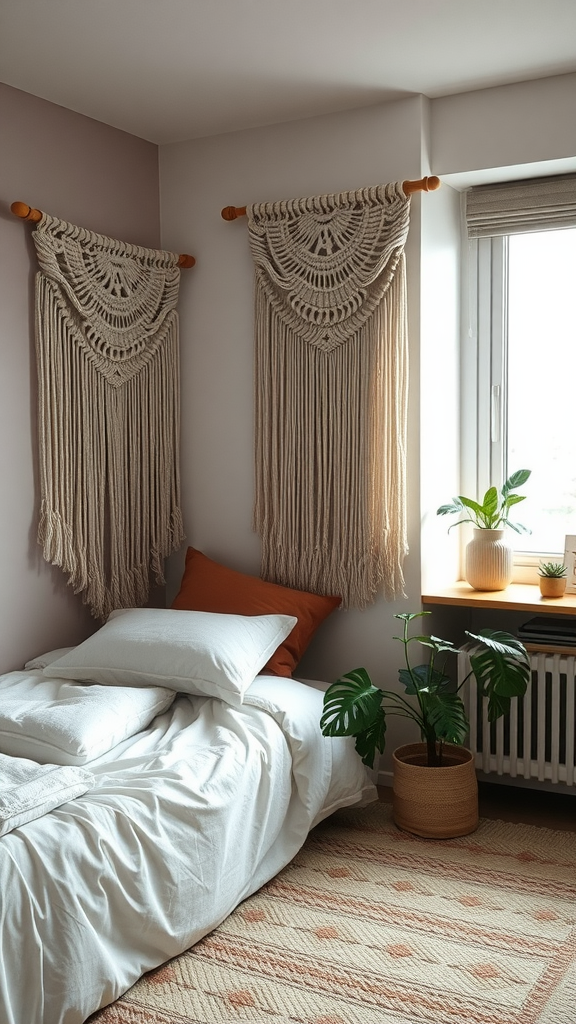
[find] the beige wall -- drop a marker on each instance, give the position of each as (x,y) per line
(402,139)
(198,178)
(439,453)
(86,172)
(90,174)
(505,128)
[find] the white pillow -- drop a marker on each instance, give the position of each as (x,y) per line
(42,660)
(54,721)
(206,653)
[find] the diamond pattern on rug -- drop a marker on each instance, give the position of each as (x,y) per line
(370,925)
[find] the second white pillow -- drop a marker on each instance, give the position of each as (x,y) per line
(206,653)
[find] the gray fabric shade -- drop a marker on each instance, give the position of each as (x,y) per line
(514,207)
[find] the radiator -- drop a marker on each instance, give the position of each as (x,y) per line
(537,739)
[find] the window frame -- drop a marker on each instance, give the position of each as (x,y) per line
(484,382)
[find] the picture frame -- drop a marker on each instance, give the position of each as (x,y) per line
(570,562)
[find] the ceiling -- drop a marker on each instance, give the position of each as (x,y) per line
(169,70)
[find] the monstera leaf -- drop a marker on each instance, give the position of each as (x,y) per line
(501,667)
(422,679)
(353,707)
(446,714)
(350,705)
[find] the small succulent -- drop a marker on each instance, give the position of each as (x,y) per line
(555,570)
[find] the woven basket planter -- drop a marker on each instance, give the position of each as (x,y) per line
(437,803)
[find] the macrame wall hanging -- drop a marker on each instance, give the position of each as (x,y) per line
(331,391)
(108,372)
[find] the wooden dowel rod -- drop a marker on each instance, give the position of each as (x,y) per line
(427,184)
(186,261)
(233,212)
(26,212)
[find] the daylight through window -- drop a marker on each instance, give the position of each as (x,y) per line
(540,397)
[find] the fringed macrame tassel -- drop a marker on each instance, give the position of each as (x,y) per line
(108,423)
(331,395)
(330,479)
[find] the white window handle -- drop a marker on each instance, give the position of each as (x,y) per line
(495,413)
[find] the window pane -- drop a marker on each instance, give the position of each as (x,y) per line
(541,427)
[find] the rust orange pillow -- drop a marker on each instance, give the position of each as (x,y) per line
(208,586)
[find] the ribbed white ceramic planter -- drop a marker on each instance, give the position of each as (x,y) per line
(489,560)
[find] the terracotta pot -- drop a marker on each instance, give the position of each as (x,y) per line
(437,803)
(489,560)
(552,586)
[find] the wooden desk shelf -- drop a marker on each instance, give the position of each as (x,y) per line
(518,597)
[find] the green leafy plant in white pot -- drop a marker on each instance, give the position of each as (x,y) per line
(435,792)
(489,556)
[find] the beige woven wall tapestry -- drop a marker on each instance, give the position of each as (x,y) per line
(331,391)
(108,375)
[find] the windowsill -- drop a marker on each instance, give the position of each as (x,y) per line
(517,597)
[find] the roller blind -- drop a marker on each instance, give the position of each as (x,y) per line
(513,207)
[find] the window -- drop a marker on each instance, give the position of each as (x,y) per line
(519,373)
(539,421)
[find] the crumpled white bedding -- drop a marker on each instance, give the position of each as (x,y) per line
(61,722)
(185,819)
(28,790)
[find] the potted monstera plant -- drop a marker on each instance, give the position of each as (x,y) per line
(435,792)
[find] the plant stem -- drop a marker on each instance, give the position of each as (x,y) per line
(412,713)
(434,757)
(465,680)
(406,641)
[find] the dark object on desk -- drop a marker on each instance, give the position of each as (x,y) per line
(544,629)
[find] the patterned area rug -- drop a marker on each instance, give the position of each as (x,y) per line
(370,925)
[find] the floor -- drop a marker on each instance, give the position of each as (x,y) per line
(534,807)
(511,803)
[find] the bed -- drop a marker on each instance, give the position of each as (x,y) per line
(199,777)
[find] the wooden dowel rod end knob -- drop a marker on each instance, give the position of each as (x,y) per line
(26,212)
(233,212)
(186,261)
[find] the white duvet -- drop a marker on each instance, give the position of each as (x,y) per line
(185,820)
